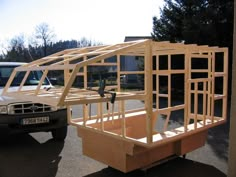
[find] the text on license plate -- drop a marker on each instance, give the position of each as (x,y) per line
(36,120)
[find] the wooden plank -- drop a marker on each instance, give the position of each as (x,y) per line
(66,72)
(176,134)
(169,82)
(8,84)
(98,99)
(131,72)
(195,104)
(221,74)
(50,67)
(24,80)
(201,117)
(68,85)
(69,114)
(148,90)
(199,70)
(41,81)
(200,56)
(209,85)
(44,59)
(100,114)
(213,87)
(85,74)
(166,122)
(102,64)
(204,101)
(118,73)
(187,88)
(160,52)
(172,108)
(225,83)
(166,72)
(123,125)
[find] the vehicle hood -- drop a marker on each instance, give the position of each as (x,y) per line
(5,100)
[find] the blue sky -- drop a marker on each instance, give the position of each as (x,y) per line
(106,21)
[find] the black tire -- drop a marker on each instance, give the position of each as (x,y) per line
(59,134)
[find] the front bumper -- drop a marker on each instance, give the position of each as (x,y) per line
(11,124)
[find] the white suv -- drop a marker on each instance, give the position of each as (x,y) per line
(20,116)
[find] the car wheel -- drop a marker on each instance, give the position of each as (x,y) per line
(59,134)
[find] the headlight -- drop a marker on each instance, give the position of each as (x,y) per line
(53,108)
(3,109)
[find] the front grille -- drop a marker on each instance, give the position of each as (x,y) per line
(28,108)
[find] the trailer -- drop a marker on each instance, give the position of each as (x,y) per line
(128,139)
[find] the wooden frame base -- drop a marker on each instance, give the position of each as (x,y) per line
(127,156)
(131,155)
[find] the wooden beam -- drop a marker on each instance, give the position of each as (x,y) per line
(148,90)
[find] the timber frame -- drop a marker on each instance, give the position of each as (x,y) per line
(131,134)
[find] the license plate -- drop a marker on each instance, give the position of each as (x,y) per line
(36,120)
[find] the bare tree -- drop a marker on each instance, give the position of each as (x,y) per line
(45,35)
(17,42)
(3,47)
(17,50)
(84,42)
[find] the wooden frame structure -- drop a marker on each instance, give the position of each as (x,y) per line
(128,139)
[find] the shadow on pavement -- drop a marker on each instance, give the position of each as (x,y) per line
(218,138)
(178,167)
(28,157)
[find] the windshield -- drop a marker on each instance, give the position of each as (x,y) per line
(33,78)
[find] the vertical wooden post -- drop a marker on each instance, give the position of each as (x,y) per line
(85,78)
(169,80)
(213,87)
(119,85)
(225,84)
(232,133)
(118,72)
(187,88)
(69,116)
(209,85)
(85,111)
(85,74)
(204,101)
(66,73)
(123,123)
(148,89)
(100,108)
(195,104)
(157,82)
